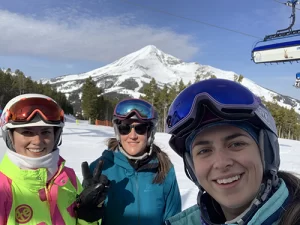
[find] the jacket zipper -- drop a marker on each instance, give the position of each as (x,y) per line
(49,186)
(138,196)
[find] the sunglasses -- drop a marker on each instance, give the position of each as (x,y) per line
(140,129)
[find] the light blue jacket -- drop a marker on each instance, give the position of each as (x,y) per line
(268,214)
(132,197)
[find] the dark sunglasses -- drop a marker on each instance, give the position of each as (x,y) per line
(140,129)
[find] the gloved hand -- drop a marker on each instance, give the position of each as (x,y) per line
(90,200)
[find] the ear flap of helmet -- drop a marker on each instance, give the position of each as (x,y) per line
(271,157)
(117,134)
(57,136)
(189,169)
(7,137)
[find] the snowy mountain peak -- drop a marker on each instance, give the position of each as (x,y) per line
(128,74)
(148,53)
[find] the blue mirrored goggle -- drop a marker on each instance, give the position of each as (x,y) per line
(141,108)
(228,98)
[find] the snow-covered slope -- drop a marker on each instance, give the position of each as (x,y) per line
(128,74)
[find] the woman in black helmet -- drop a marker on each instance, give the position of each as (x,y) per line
(228,141)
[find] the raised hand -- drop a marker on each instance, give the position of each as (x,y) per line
(95,190)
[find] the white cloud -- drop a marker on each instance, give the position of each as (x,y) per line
(86,38)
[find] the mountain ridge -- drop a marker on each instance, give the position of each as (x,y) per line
(128,74)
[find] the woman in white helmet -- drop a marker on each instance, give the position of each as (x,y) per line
(36,187)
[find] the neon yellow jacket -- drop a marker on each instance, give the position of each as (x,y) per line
(25,198)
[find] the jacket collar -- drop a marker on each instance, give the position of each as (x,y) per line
(121,160)
(212,214)
(32,179)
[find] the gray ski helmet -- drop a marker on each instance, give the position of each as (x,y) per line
(7,125)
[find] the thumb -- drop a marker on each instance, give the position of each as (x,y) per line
(85,170)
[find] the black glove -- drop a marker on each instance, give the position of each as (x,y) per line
(90,200)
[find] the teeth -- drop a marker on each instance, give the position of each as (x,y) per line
(228,180)
(35,150)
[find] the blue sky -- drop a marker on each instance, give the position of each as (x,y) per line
(49,38)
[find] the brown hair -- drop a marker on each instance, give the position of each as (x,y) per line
(164,162)
(291,213)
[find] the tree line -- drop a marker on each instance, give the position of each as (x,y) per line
(16,83)
(287,121)
(95,104)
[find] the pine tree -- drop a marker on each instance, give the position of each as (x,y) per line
(162,106)
(89,100)
(150,91)
(241,77)
(181,86)
(197,78)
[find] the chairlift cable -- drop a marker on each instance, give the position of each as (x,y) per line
(186,18)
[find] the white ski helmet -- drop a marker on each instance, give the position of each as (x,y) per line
(35,114)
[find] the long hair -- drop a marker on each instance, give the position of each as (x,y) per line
(291,213)
(164,162)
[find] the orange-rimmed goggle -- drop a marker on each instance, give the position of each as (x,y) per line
(25,110)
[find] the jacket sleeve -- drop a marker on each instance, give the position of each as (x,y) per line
(5,198)
(4,205)
(173,198)
(79,221)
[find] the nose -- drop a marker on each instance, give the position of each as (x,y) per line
(36,139)
(223,160)
(132,134)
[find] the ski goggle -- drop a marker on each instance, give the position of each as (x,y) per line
(141,108)
(140,129)
(25,110)
(230,100)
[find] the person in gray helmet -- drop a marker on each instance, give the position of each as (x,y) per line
(143,187)
(229,145)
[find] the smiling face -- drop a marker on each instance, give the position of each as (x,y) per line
(134,143)
(228,166)
(33,142)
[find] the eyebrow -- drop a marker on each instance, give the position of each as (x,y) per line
(227,138)
(235,135)
(202,143)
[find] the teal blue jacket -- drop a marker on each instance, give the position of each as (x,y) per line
(268,214)
(132,197)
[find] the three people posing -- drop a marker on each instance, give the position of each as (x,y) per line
(226,137)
